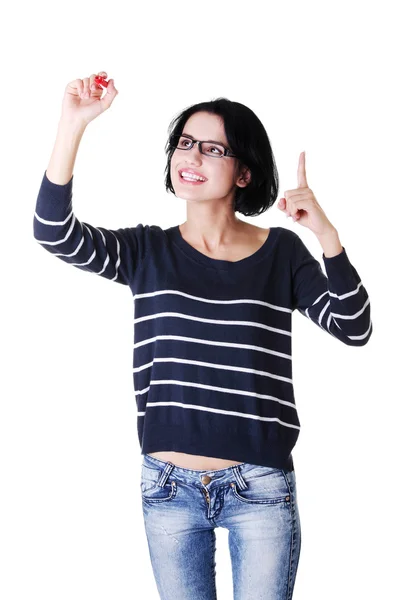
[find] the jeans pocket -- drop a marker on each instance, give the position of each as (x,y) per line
(265,485)
(151,491)
(149,478)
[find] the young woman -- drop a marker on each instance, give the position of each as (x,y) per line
(213,297)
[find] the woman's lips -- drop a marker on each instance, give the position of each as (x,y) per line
(194,182)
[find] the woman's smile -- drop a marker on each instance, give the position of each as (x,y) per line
(190,181)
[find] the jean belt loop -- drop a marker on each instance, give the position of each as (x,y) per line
(240,481)
(166,473)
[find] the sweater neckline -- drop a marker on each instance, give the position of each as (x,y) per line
(216,263)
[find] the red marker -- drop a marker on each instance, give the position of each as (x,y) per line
(100,80)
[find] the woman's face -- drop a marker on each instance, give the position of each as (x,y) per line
(220,173)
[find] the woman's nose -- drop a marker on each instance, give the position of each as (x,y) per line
(194,152)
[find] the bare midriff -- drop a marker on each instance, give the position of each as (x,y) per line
(255,237)
(194,461)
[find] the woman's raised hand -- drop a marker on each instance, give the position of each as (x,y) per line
(82,100)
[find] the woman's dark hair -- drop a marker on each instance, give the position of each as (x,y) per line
(249,141)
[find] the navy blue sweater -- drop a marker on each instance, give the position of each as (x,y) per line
(212,358)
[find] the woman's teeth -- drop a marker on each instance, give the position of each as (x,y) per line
(191,177)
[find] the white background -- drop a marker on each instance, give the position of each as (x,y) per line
(322,78)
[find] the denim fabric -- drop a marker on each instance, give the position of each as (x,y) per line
(257,504)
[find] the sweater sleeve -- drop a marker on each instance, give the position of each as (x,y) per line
(338,302)
(113,254)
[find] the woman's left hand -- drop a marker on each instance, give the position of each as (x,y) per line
(302,205)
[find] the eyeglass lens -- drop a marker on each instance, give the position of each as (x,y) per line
(184,143)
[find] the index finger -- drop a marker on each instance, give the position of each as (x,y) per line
(301,171)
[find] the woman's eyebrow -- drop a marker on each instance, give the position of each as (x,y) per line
(213,141)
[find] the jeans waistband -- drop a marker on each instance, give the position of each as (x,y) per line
(219,476)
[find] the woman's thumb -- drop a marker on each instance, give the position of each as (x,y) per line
(110,95)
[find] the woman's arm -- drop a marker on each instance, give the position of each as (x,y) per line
(64,153)
(113,254)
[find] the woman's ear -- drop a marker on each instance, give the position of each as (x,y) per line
(244,177)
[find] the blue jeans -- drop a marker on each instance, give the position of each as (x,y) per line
(258,506)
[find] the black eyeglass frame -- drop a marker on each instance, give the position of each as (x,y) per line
(227,152)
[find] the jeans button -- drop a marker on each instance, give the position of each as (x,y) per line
(205,479)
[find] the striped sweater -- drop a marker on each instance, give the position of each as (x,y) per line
(212,360)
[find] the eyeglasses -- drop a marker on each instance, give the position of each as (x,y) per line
(208,148)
